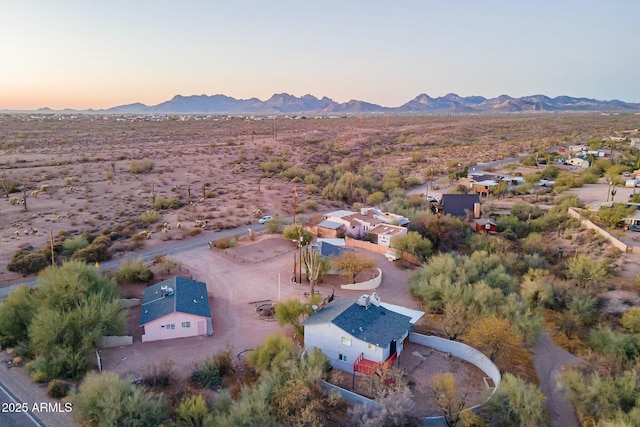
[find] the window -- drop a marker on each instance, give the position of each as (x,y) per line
(342,357)
(170,326)
(372,347)
(346,341)
(186,324)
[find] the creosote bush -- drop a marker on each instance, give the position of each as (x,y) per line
(143,166)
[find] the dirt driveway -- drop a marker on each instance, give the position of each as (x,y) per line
(238,279)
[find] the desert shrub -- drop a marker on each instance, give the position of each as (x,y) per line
(143,166)
(191,411)
(71,246)
(15,316)
(311,205)
(97,251)
(274,226)
(161,203)
(311,189)
(207,374)
(133,271)
(106,400)
(150,217)
(158,375)
(194,232)
(25,262)
(274,351)
(165,263)
(58,389)
(225,242)
(631,319)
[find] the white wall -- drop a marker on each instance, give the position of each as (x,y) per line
(328,338)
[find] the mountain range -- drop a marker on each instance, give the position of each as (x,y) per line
(423,104)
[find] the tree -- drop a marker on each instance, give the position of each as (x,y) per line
(614,215)
(274,351)
(16,314)
(353,263)
(412,243)
(375,198)
(451,400)
(493,333)
(290,311)
(517,403)
(458,318)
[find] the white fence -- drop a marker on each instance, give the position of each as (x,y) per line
(365,286)
(464,352)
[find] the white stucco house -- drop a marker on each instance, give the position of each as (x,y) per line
(360,334)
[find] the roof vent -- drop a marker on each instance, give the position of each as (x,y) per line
(364,301)
(169,291)
(375,299)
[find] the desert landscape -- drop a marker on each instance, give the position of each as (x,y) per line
(137,183)
(169,177)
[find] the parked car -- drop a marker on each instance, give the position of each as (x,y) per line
(265,219)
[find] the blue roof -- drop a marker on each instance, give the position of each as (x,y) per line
(327,250)
(189,296)
(373,324)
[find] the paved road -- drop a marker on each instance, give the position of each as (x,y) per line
(549,359)
(12,412)
(17,388)
(167,249)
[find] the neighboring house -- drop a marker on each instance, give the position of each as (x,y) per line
(385,232)
(360,224)
(330,229)
(483,183)
(578,161)
(359,334)
(484,225)
(459,204)
(175,308)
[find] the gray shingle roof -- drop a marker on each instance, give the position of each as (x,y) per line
(373,324)
(332,225)
(189,296)
(455,204)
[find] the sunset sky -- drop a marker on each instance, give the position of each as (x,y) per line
(99,54)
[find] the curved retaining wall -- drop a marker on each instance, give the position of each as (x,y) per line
(365,286)
(457,349)
(464,352)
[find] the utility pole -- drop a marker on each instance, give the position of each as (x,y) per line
(295,203)
(300,253)
(53,262)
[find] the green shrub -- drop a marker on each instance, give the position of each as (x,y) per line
(25,262)
(224,242)
(161,203)
(143,166)
(71,246)
(58,389)
(207,375)
(106,400)
(133,271)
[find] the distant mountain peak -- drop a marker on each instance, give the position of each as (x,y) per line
(285,103)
